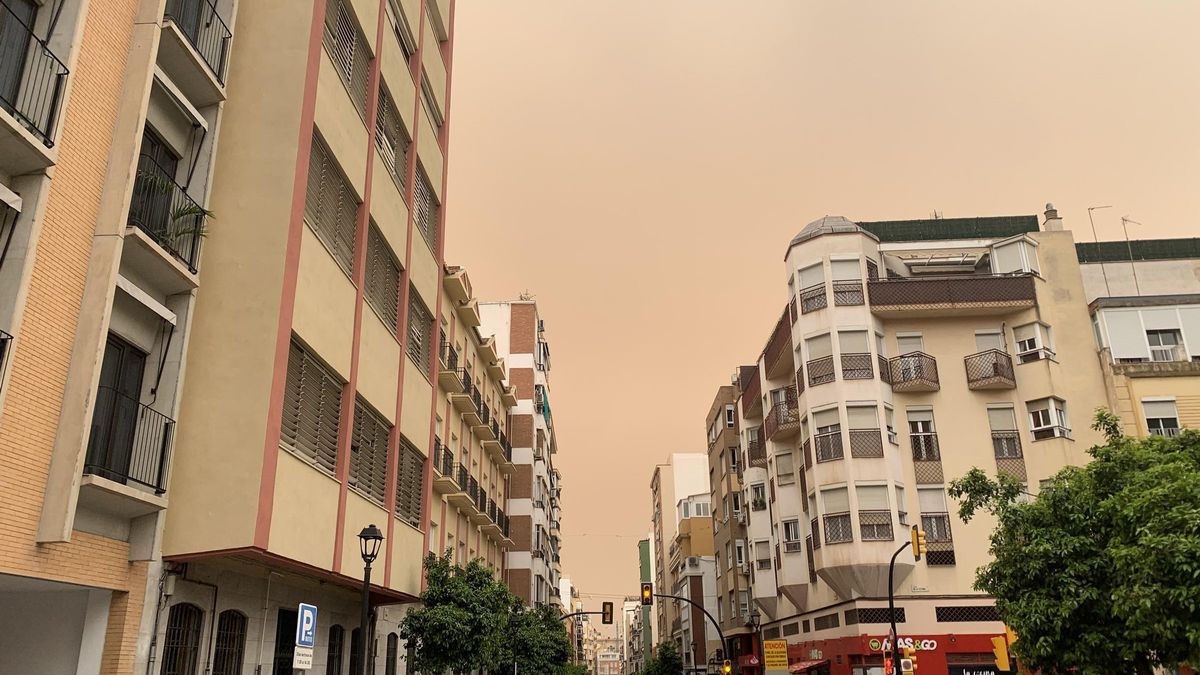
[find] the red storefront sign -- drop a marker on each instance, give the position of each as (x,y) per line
(844,654)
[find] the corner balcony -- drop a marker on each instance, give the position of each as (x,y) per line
(459,497)
(194,49)
(783,422)
(914,372)
(508,395)
(756,454)
(443,473)
(449,375)
(462,400)
(751,399)
(468,313)
(32,80)
(777,357)
(990,369)
(162,209)
(128,449)
(978,294)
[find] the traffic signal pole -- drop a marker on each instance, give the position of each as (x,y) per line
(721,633)
(892,605)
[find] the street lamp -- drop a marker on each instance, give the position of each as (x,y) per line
(755,624)
(369,541)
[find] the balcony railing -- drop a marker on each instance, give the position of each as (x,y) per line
(751,392)
(820,371)
(939,538)
(866,443)
(857,367)
(448,355)
(199,21)
(778,346)
(990,369)
(32,78)
(784,419)
(925,447)
(6,339)
(815,526)
(848,292)
(838,528)
(461,477)
(756,453)
(447,463)
(813,298)
(1006,444)
(875,525)
(807,448)
(162,209)
(958,292)
(914,371)
(885,369)
(129,441)
(829,446)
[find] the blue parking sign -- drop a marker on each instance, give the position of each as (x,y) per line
(306,626)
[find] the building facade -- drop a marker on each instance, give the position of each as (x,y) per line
(694,573)
(632,644)
(534,562)
(898,335)
(729,516)
(683,474)
(646,574)
(110,116)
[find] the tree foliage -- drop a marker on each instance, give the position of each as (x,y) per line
(666,661)
(1101,572)
(470,622)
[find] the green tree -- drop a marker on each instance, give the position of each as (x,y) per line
(461,623)
(666,661)
(535,640)
(1101,572)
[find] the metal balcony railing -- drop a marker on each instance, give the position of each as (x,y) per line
(978,290)
(447,463)
(485,413)
(32,78)
(820,371)
(885,369)
(460,477)
(473,489)
(1006,444)
(813,298)
(751,392)
(829,446)
(990,369)
(866,443)
(756,453)
(162,209)
(783,418)
(806,446)
(857,367)
(779,345)
(812,564)
(129,441)
(448,355)
(875,525)
(6,339)
(199,21)
(848,292)
(838,528)
(925,447)
(914,371)
(939,538)
(815,526)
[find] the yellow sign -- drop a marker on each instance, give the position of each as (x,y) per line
(775,654)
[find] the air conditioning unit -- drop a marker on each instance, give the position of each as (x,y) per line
(740,516)
(744,567)
(693,561)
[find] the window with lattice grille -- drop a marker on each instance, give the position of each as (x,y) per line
(878,615)
(410,477)
(392,140)
(850,616)
(331,205)
(420,330)
(825,622)
(427,208)
(181,644)
(312,400)
(791,629)
(230,647)
(771,633)
(382,280)
(347,47)
(966,613)
(368,451)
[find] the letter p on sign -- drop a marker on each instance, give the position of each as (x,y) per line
(306,626)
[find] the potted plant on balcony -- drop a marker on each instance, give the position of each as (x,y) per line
(758,504)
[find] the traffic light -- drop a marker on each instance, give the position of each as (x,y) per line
(606,613)
(887,665)
(647,594)
(908,660)
(727,667)
(918,542)
(1000,649)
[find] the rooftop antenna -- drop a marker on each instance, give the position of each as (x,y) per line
(526,295)
(1096,239)
(1126,220)
(936,215)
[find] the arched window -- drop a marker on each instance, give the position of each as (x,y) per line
(354,642)
(393,653)
(181,647)
(337,643)
(231,643)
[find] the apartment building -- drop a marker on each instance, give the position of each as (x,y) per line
(729,515)
(110,114)
(608,662)
(472,453)
(683,474)
(1144,297)
(647,574)
(898,335)
(314,404)
(535,487)
(632,645)
(694,571)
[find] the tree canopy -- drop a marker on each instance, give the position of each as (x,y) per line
(666,661)
(1100,573)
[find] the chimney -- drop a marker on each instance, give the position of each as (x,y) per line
(1053,222)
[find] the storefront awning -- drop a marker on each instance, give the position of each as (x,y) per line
(804,666)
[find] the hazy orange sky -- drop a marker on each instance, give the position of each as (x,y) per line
(640,165)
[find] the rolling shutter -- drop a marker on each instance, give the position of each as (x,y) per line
(812,276)
(845,270)
(1126,337)
(836,500)
(818,347)
(872,497)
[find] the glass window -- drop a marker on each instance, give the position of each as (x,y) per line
(230,646)
(1162,418)
(333,655)
(181,647)
(791,530)
(785,469)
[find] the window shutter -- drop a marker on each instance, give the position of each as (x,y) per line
(330,205)
(1159,409)
(348,49)
(427,208)
(392,140)
(919,415)
(931,500)
(845,270)
(812,276)
(825,418)
(988,340)
(862,417)
(853,342)
(909,343)
(872,497)
(818,347)
(369,451)
(382,278)
(836,500)
(784,467)
(420,329)
(1001,419)
(311,409)
(410,467)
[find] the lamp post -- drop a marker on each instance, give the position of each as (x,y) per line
(755,624)
(369,541)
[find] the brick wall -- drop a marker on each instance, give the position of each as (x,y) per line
(520,483)
(523,332)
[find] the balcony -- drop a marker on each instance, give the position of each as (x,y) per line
(205,31)
(813,298)
(497,370)
(456,283)
(460,497)
(508,395)
(162,209)
(849,292)
(129,442)
(462,400)
(756,453)
(838,529)
(815,525)
(751,399)
(939,538)
(468,313)
(32,80)
(914,372)
(777,357)
(820,371)
(443,475)
(783,422)
(829,446)
(866,443)
(486,430)
(857,367)
(958,296)
(449,376)
(480,516)
(990,369)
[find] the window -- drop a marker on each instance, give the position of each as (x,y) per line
(907,344)
(828,438)
(730,419)
(331,205)
(739,549)
(1033,342)
(427,208)
(181,646)
(856,355)
(355,639)
(1165,345)
(836,503)
(347,47)
(901,506)
(847,282)
(312,401)
(333,655)
(369,451)
(762,555)
(1048,418)
(1162,419)
(935,518)
(812,289)
(785,469)
(923,437)
(874,513)
(792,539)
(392,141)
(382,281)
(402,30)
(410,476)
(429,102)
(420,330)
(728,556)
(733,459)
(737,502)
(393,654)
(743,602)
(890,417)
(758,497)
(230,644)
(1006,442)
